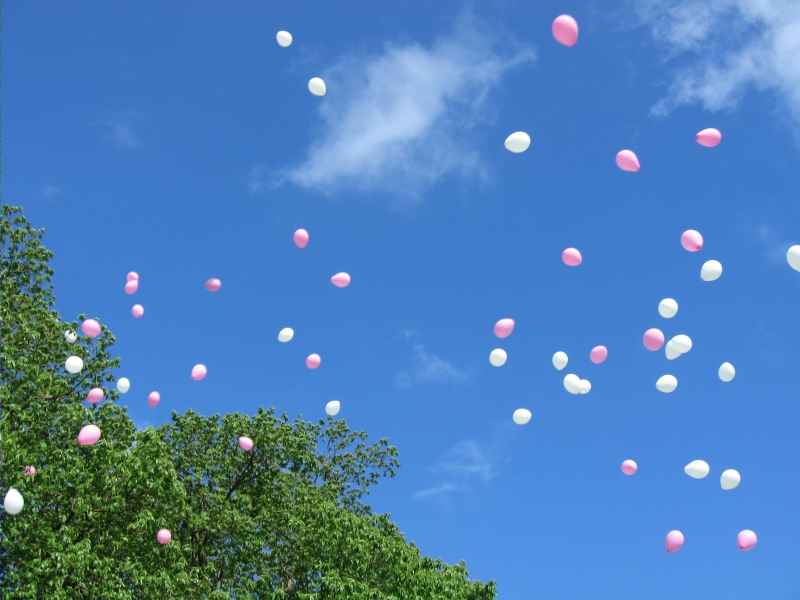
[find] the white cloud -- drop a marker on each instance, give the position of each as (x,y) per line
(50,191)
(439,490)
(119,128)
(428,367)
(468,458)
(775,246)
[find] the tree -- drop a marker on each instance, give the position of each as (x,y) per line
(285,520)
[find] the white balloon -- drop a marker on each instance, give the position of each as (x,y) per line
(711,270)
(498,357)
(682,343)
(666,384)
(317,87)
(73,364)
(726,372)
(285,334)
(670,350)
(729,479)
(332,407)
(668,308)
(13,502)
(522,416)
(518,142)
(71,336)
(560,360)
(572,383)
(123,385)
(697,469)
(284,39)
(793,257)
(585,386)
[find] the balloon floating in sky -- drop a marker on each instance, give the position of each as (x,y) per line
(137,310)
(341,280)
(572,383)
(629,467)
(13,502)
(565,30)
(163,536)
(518,142)
(94,396)
(153,399)
(245,443)
(213,285)
(674,541)
(317,87)
(503,328)
(73,364)
(284,39)
(71,337)
(711,270)
(726,372)
(691,240)
(123,385)
(521,416)
(571,257)
(668,308)
(697,469)
(133,276)
(653,339)
(332,408)
(285,334)
(30,471)
(670,351)
(498,357)
(793,257)
(313,361)
(666,384)
(627,161)
(682,343)
(131,286)
(746,540)
(91,328)
(598,354)
(584,386)
(560,360)
(730,479)
(198,372)
(301,238)
(89,435)
(709,137)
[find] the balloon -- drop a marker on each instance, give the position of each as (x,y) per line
(726,372)
(332,408)
(198,372)
(691,240)
(584,386)
(133,276)
(518,142)
(572,383)
(246,443)
(697,469)
(285,334)
(313,361)
(521,416)
(137,310)
(73,364)
(709,137)
(503,328)
(71,337)
(729,479)
(91,328)
(95,395)
(666,384)
(629,467)
(598,354)
(668,308)
(565,30)
(284,39)
(571,257)
(653,339)
(212,285)
(13,502)
(163,536)
(711,270)
(498,357)
(153,399)
(317,87)
(674,541)
(30,471)
(793,257)
(89,435)
(746,540)
(671,352)
(341,280)
(682,343)
(301,238)
(123,385)
(627,161)
(560,360)
(131,286)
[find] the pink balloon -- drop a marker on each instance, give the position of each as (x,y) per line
(503,328)
(164,536)
(691,240)
(245,442)
(212,285)
(31,471)
(653,339)
(565,30)
(313,361)
(571,257)
(132,286)
(154,398)
(747,540)
(137,310)
(341,280)
(598,354)
(94,396)
(89,435)
(627,161)
(301,238)
(91,328)
(198,372)
(133,276)
(709,137)
(629,467)
(674,541)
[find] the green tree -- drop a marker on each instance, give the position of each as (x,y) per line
(285,520)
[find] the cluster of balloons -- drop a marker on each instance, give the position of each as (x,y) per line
(699,469)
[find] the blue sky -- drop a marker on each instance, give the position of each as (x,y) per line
(180,141)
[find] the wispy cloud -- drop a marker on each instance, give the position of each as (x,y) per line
(775,245)
(428,367)
(118,128)
(50,191)
(468,458)
(439,490)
